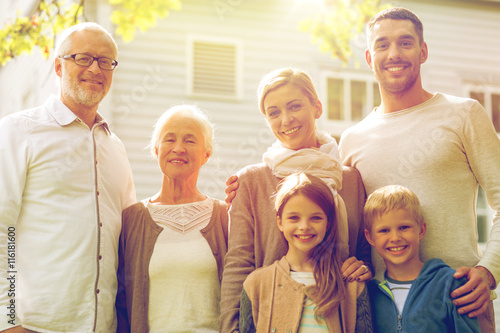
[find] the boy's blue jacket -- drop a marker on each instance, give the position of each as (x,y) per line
(428,307)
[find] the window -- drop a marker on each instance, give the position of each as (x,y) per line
(350,97)
(214,68)
(489,97)
(484,215)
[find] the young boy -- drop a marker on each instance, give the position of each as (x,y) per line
(414,296)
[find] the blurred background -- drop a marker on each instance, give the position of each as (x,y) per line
(213,53)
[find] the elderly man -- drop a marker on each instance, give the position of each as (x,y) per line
(65,179)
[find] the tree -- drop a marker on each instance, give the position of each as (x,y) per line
(52,16)
(343,20)
(332,30)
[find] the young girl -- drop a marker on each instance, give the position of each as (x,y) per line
(304,291)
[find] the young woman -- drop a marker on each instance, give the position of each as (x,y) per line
(304,291)
(289,102)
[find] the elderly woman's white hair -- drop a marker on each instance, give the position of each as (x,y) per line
(186,111)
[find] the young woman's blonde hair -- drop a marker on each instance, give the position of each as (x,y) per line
(330,288)
(391,198)
(282,76)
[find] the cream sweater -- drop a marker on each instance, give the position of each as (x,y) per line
(441,149)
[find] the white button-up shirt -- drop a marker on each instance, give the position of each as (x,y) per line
(62,191)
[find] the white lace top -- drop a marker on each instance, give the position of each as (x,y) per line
(184,290)
(183,217)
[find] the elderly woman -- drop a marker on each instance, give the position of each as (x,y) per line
(172,245)
(290,104)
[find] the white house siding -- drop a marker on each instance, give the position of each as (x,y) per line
(152,76)
(23,86)
(27,79)
(463,42)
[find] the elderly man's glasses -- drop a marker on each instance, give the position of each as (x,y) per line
(86,60)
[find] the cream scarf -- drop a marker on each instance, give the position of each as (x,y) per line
(322,162)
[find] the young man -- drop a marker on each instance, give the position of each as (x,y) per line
(413,295)
(65,179)
(439,146)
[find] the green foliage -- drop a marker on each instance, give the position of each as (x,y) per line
(341,23)
(333,30)
(139,14)
(24,34)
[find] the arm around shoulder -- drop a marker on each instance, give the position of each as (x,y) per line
(364,320)
(246,322)
(239,261)
(353,193)
(482,147)
(461,323)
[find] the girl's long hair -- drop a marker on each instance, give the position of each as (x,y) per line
(330,288)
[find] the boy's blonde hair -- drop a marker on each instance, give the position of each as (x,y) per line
(391,198)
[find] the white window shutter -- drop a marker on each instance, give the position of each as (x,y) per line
(214,70)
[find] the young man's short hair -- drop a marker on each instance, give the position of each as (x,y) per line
(391,198)
(396,13)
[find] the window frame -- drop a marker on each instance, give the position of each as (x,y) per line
(338,126)
(488,90)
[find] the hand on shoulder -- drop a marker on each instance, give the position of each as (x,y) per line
(355,270)
(231,187)
(473,297)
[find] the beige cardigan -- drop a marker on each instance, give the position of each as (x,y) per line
(255,240)
(277,301)
(137,240)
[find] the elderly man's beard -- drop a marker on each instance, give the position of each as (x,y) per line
(71,86)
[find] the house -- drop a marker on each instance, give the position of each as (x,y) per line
(213,53)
